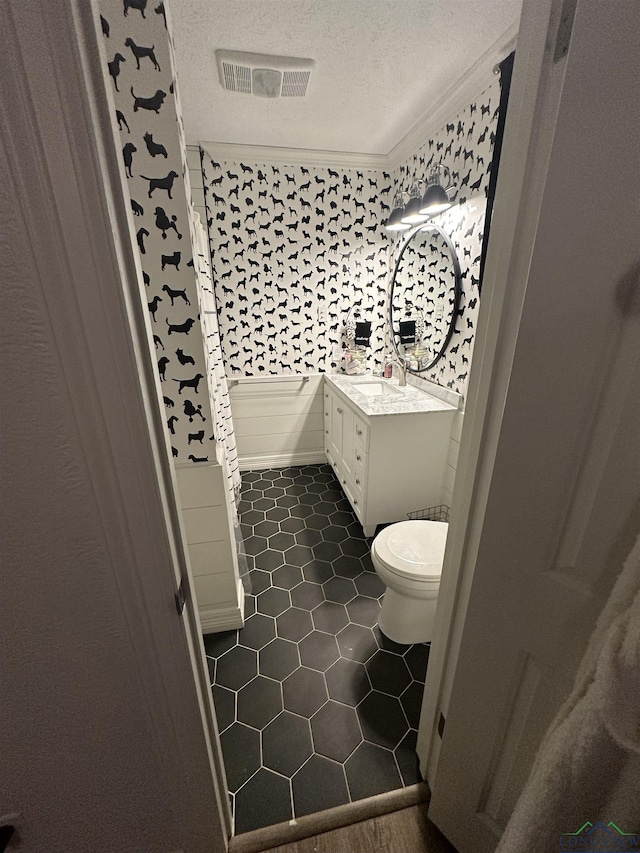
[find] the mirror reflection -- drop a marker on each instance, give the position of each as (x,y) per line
(425,296)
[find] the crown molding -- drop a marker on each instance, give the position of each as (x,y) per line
(294,156)
(472,82)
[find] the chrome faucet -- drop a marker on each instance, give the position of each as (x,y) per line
(401,364)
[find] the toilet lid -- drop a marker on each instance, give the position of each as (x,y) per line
(411,548)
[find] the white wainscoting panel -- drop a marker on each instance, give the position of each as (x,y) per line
(278,420)
(211,543)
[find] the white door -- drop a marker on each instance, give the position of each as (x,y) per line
(561,508)
(107,731)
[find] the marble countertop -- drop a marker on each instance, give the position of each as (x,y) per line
(409,400)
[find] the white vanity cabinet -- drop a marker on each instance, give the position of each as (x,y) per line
(389,462)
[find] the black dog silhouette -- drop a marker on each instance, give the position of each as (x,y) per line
(142,52)
(197,459)
(105,26)
(153,306)
(159,10)
(182,328)
(122,121)
(191,411)
(142,233)
(164,224)
(154,148)
(162,366)
(195,436)
(138,209)
(156,341)
(189,383)
(153,103)
(168,402)
(127,155)
(176,294)
(170,423)
(140,5)
(114,68)
(184,359)
(171,260)
(161,183)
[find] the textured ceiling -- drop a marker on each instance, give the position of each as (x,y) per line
(381,66)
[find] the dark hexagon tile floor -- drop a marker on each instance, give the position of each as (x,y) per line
(316,707)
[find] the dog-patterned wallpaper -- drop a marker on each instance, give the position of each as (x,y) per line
(141,67)
(294,248)
(465,146)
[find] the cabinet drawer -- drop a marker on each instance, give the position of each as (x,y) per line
(359,480)
(355,498)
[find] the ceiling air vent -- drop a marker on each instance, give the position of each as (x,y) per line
(262,75)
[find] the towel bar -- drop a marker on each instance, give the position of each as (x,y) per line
(267,379)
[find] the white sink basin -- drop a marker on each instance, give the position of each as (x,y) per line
(375,389)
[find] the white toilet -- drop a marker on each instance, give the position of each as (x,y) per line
(408,558)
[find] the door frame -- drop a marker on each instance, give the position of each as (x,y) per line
(528,134)
(529,129)
(60,41)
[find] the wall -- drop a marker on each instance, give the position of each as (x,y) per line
(142,72)
(293,249)
(278,420)
(262,267)
(174,257)
(465,146)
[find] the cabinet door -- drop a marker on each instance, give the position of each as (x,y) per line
(336,429)
(348,441)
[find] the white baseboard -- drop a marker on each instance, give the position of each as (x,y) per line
(281,460)
(225,618)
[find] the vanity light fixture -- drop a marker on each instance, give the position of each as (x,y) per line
(419,209)
(413,214)
(436,198)
(394,222)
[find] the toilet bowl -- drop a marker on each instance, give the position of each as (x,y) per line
(408,559)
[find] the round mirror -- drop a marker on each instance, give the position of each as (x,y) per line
(425,297)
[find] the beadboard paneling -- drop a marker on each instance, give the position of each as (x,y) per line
(278,421)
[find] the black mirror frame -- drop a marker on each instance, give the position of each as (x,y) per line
(456,294)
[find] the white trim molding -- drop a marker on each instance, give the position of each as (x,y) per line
(228,617)
(230,152)
(281,460)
